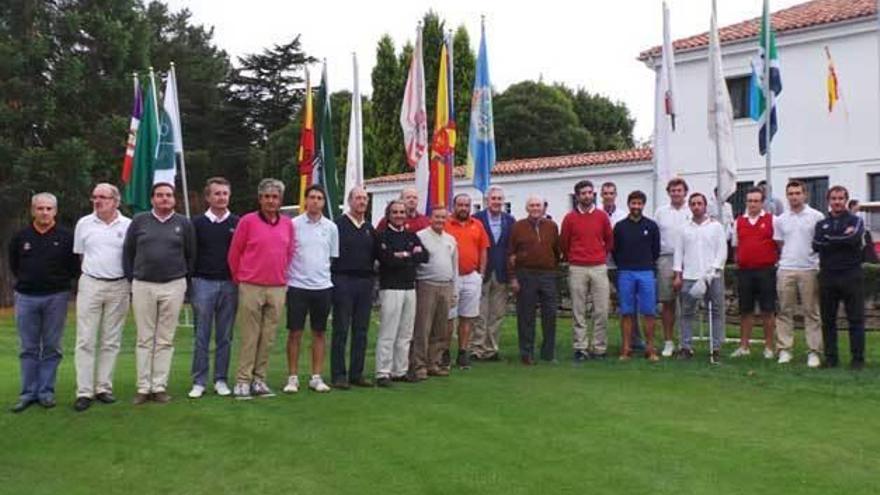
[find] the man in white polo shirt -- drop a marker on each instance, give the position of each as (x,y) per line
(310,287)
(798,275)
(102,297)
(670,219)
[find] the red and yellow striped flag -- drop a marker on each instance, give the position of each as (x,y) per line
(831,83)
(306,154)
(443,141)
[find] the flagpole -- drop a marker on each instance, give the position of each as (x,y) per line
(182,158)
(155,96)
(768,98)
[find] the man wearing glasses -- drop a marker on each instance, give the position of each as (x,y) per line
(102,297)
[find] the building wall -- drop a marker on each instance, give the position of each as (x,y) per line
(845,145)
(555,186)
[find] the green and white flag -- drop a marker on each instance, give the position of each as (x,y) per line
(325,174)
(137,191)
(170,138)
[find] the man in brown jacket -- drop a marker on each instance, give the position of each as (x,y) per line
(533,260)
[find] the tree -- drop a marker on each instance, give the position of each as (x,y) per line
(609,122)
(388,78)
(533,119)
(270,84)
(464,69)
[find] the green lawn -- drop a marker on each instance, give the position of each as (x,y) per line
(602,427)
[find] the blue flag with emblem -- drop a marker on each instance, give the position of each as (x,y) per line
(481,136)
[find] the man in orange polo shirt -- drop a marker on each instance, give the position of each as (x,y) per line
(473,245)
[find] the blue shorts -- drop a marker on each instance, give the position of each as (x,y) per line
(637,287)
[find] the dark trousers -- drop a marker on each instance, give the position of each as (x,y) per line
(40,322)
(214,304)
(536,288)
(847,287)
(352,302)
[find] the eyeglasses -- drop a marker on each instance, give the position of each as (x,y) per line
(96,197)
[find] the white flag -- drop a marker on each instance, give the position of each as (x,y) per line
(664,109)
(166,170)
(414,121)
(720,115)
(354,164)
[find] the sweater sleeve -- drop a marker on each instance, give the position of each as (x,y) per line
(422,255)
(565,236)
(129,249)
(236,248)
(189,247)
(14,261)
(655,242)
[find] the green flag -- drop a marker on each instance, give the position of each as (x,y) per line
(165,165)
(137,191)
(326,175)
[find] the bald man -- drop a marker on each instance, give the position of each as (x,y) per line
(415,221)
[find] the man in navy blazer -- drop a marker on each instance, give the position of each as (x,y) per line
(493,302)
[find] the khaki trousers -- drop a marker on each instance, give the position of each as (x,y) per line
(259,312)
(430,338)
(792,285)
(156,313)
(397,316)
(589,282)
(487,328)
(100,305)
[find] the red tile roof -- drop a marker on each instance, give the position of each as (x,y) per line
(805,15)
(534,165)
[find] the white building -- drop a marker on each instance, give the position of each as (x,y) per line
(822,148)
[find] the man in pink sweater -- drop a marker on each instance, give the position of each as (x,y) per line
(586,240)
(259,254)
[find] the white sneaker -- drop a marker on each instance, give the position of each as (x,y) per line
(260,389)
(784,357)
(292,386)
(197,392)
(317,384)
(768,353)
(668,349)
(222,388)
(741,352)
(243,391)
(813,360)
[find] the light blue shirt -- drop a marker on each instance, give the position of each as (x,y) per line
(315,243)
(495,226)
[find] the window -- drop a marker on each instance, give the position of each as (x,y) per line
(874,187)
(507,207)
(738,199)
(817,187)
(477,207)
(739,89)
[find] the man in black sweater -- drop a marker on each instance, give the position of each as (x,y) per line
(839,240)
(636,250)
(42,261)
(158,254)
(214,295)
(353,278)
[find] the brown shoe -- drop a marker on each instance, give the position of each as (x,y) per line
(162,397)
(625,356)
(438,372)
(362,382)
(140,399)
(527,361)
(651,355)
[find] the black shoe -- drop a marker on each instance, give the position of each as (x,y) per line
(581,356)
(638,347)
(445,359)
(598,355)
(684,354)
(829,363)
(22,405)
(527,360)
(361,382)
(715,357)
(105,398)
(857,365)
(464,360)
(48,402)
(82,403)
(401,378)
(383,382)
(341,384)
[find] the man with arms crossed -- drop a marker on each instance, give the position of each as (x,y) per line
(310,286)
(214,295)
(798,276)
(102,298)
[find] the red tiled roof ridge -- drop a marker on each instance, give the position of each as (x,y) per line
(804,15)
(542,164)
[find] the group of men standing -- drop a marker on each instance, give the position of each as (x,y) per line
(432,271)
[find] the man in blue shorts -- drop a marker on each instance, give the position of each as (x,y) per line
(636,249)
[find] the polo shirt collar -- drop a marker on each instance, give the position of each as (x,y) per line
(395,229)
(263,218)
(116,219)
(357,223)
(44,232)
(591,209)
(456,221)
(313,222)
(214,218)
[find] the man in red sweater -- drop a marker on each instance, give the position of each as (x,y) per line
(586,240)
(756,257)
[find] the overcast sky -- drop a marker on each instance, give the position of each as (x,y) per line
(591,44)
